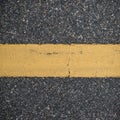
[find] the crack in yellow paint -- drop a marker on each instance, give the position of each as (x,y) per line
(59,60)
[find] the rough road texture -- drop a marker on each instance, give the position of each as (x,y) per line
(60,99)
(59,21)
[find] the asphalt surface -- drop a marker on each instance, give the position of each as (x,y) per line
(60,99)
(60,21)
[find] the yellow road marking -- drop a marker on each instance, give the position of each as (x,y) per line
(59,60)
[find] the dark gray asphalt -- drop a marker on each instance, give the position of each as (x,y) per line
(60,21)
(60,99)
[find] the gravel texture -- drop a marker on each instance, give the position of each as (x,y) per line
(60,21)
(60,99)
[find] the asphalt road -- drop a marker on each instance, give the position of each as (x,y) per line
(60,21)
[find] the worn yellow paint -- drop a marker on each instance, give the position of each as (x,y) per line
(95,61)
(60,60)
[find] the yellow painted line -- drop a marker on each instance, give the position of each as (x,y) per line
(59,60)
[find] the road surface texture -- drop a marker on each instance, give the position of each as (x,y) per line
(59,21)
